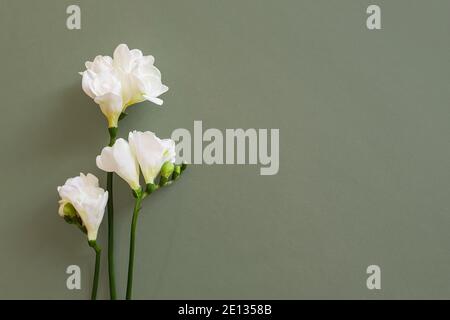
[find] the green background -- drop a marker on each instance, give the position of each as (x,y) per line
(364,123)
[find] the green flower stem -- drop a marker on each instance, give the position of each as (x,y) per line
(140,195)
(137,206)
(98,252)
(109,187)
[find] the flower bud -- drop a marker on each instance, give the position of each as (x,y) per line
(167,169)
(176,172)
(71,216)
(151,188)
(166,172)
(69,211)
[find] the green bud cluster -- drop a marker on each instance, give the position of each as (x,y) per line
(170,173)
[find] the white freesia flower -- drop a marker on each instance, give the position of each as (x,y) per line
(117,83)
(88,199)
(120,159)
(151,152)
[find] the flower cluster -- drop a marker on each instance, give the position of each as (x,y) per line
(144,150)
(127,78)
(83,201)
(114,84)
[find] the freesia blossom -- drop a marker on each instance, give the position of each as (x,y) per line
(140,79)
(120,159)
(127,78)
(83,202)
(151,152)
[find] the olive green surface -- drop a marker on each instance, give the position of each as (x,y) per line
(364,119)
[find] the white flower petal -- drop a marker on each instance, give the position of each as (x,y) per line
(150,152)
(120,159)
(157,101)
(123,58)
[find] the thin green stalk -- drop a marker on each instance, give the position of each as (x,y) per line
(137,207)
(98,252)
(109,187)
(140,194)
